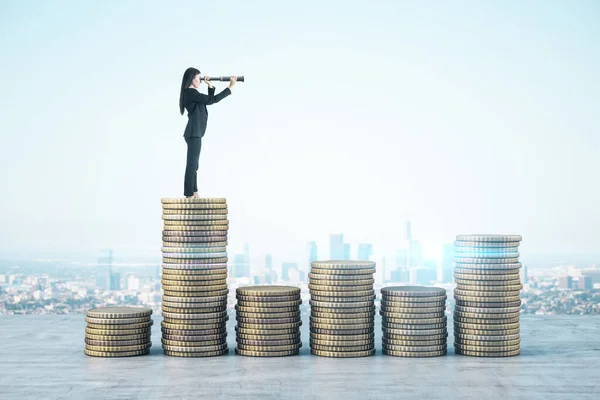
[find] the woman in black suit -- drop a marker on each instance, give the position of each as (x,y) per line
(195,103)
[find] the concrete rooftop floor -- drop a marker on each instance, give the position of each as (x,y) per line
(41,357)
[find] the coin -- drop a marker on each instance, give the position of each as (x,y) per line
(412,291)
(342,264)
(487,277)
(202,354)
(388,332)
(116,354)
(478,304)
(414,349)
(341,305)
(341,282)
(265,332)
(268,337)
(480,343)
(119,312)
(342,343)
(488,348)
(342,354)
(267,299)
(487,353)
(487,272)
(493,338)
(194,211)
(413,343)
(342,338)
(209,301)
(341,321)
(367,299)
(252,353)
(264,311)
(442,335)
(414,301)
(267,321)
(486,238)
(193,200)
(321,289)
(185,206)
(221,337)
(284,342)
(486,321)
(339,331)
(266,316)
(193,343)
(488,310)
(391,325)
(268,291)
(331,273)
(414,321)
(465,300)
(280,348)
(194,268)
(268,305)
(120,327)
(337,278)
(116,332)
(414,354)
(337,349)
(342,312)
(496,283)
(116,343)
(108,349)
(116,321)
(195,349)
(320,316)
(118,338)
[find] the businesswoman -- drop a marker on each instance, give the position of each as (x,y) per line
(195,103)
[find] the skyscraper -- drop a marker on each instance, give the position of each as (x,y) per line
(103,277)
(336,247)
(446,275)
(312,253)
(365,251)
(346,251)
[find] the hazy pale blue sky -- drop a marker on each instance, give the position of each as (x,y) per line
(462,116)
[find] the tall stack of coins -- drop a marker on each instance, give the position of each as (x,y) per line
(118,331)
(487,294)
(342,308)
(194,277)
(414,321)
(268,321)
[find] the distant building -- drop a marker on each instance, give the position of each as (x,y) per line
(338,250)
(585,283)
(446,271)
(565,282)
(115,281)
(365,251)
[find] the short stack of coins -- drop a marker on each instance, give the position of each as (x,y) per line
(342,308)
(414,323)
(118,331)
(268,321)
(194,277)
(487,295)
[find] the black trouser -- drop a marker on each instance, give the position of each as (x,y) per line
(190,184)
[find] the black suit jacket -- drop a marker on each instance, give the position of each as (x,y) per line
(195,103)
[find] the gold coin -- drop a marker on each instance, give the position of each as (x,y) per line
(313,277)
(413,343)
(195,278)
(486,293)
(496,285)
(122,327)
(192,261)
(198,354)
(274,326)
(342,354)
(414,353)
(190,206)
(196,316)
(195,343)
(487,353)
(198,324)
(287,347)
(208,216)
(487,326)
(320,347)
(108,349)
(488,310)
(188,228)
(116,354)
(268,291)
(124,312)
(117,321)
(413,349)
(343,272)
(350,293)
(414,321)
(195,250)
(251,353)
(195,349)
(273,300)
(196,211)
(113,343)
(271,305)
(117,338)
(193,200)
(341,326)
(203,274)
(478,272)
(407,302)
(116,332)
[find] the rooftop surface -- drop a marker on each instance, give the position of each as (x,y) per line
(42,357)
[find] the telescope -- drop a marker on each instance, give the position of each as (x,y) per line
(223,78)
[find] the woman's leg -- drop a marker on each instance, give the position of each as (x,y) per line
(190,184)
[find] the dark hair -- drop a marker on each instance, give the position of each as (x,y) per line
(188,76)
